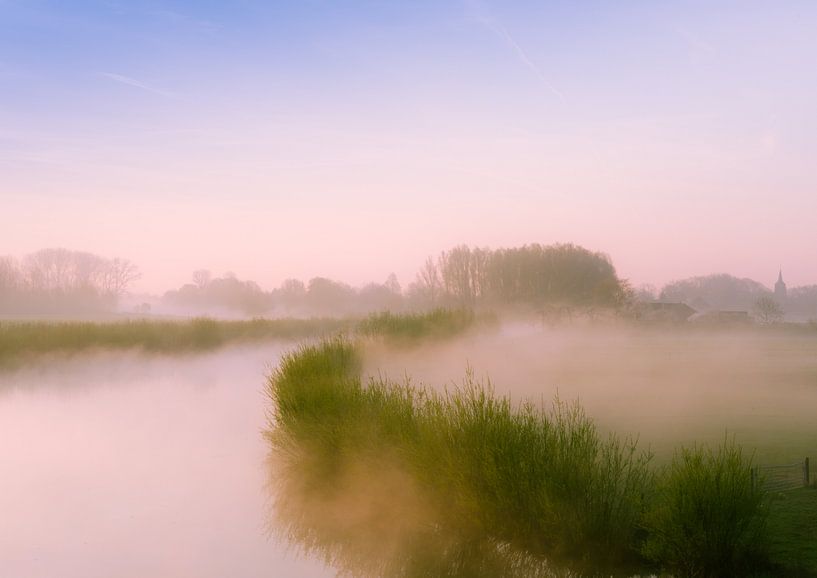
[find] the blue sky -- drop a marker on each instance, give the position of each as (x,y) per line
(676,136)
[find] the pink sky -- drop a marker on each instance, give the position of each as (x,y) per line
(678,139)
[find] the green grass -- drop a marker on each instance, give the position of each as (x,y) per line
(20,341)
(453,461)
(792,527)
(708,518)
(410,328)
(389,479)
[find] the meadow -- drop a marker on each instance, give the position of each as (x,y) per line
(449,443)
(24,341)
(398,477)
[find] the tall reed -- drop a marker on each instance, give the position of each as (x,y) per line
(708,518)
(482,488)
(19,340)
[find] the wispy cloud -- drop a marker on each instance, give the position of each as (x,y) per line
(483,16)
(137,83)
(694,41)
(179,18)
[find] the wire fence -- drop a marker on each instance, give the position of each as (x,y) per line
(783,477)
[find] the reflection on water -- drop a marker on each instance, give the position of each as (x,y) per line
(128,466)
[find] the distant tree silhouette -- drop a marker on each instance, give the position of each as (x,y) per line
(767,310)
(57,280)
(719,291)
(533,274)
(227,293)
(201,277)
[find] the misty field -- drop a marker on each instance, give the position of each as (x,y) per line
(666,385)
(451,443)
(425,473)
(22,341)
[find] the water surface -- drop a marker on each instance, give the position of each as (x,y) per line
(131,466)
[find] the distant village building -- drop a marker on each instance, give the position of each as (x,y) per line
(723,318)
(780,292)
(666,312)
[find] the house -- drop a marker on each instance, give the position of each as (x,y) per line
(659,311)
(723,318)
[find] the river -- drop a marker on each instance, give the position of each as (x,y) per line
(123,465)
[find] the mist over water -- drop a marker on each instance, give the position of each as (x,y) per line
(668,386)
(131,466)
(128,464)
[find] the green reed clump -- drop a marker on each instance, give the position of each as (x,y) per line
(467,484)
(542,481)
(25,339)
(410,327)
(388,479)
(708,517)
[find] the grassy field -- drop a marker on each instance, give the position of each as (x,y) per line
(22,341)
(413,328)
(669,387)
(793,532)
(389,479)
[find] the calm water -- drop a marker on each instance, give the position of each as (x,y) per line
(128,466)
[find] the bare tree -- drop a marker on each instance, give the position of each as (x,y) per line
(202,277)
(8,274)
(49,270)
(392,284)
(428,281)
(767,310)
(118,275)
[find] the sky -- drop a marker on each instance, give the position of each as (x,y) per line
(352,139)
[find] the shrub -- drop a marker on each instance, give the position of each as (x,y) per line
(439,323)
(708,519)
(482,488)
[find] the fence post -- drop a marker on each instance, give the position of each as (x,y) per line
(806,478)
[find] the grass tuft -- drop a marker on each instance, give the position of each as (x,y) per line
(412,327)
(708,518)
(472,485)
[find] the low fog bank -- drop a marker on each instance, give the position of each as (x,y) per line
(552,280)
(667,385)
(104,368)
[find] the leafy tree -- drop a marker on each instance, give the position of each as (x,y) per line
(533,274)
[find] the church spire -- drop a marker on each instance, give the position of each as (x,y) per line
(780,287)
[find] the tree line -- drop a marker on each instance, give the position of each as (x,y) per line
(532,275)
(723,292)
(63,281)
(564,275)
(319,296)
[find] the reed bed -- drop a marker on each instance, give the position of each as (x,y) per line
(23,340)
(20,341)
(408,328)
(389,479)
